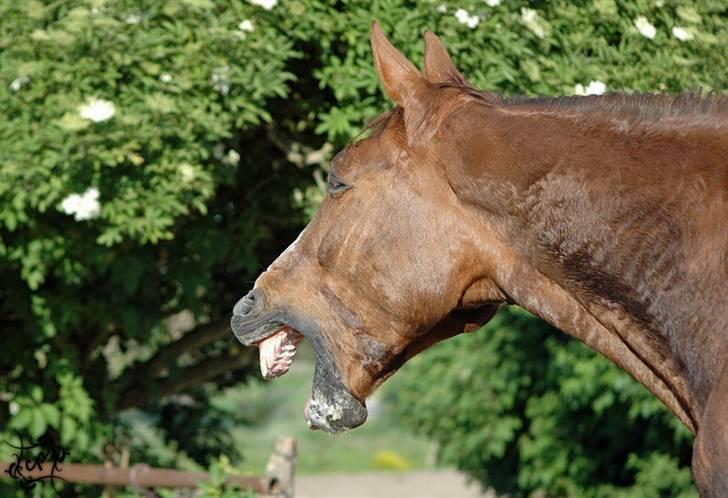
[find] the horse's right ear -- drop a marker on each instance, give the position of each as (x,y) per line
(402,81)
(439,68)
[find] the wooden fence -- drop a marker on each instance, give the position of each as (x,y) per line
(276,483)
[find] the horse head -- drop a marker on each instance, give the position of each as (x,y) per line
(390,264)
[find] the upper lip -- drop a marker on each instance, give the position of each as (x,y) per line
(252,335)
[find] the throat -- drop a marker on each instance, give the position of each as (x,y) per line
(608,331)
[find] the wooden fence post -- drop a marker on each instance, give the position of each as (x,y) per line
(281,467)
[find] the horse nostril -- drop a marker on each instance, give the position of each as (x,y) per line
(247,304)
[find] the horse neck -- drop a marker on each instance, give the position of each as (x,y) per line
(597,245)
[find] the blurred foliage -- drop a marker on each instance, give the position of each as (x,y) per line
(140,196)
(156,155)
(215,487)
(527,410)
(389,460)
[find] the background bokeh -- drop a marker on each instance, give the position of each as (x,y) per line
(156,155)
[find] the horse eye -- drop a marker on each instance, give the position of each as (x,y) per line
(336,187)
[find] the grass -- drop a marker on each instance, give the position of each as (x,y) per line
(278,406)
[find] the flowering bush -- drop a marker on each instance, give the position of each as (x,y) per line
(155,154)
(134,162)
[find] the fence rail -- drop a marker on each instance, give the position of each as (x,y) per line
(277,481)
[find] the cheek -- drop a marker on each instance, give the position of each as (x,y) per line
(414,285)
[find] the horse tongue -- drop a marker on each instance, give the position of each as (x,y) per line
(270,348)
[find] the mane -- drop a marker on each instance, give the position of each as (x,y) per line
(633,109)
(623,110)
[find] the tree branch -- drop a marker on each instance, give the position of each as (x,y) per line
(194,339)
(206,370)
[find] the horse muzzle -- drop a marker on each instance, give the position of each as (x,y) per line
(331,406)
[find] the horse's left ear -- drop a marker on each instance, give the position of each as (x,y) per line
(439,68)
(402,81)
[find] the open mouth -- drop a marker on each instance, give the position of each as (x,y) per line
(277,351)
(331,406)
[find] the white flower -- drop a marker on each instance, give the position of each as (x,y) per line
(187,172)
(232,157)
(266,4)
(165,77)
(133,19)
(442,8)
(530,18)
(682,34)
(220,80)
(595,87)
(83,206)
(97,110)
(246,26)
(645,28)
(217,151)
(18,83)
(464,17)
(493,3)
(13,408)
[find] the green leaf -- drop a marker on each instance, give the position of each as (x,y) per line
(531,69)
(160,103)
(36,393)
(35,9)
(688,13)
(606,7)
(37,424)
(68,430)
(22,419)
(72,121)
(50,414)
(200,4)
(39,35)
(82,440)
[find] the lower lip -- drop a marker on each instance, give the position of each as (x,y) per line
(308,420)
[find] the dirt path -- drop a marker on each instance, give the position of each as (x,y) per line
(441,483)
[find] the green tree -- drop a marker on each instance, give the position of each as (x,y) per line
(140,195)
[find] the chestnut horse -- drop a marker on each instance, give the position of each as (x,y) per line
(607,216)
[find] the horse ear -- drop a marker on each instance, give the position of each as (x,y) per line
(402,81)
(439,68)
